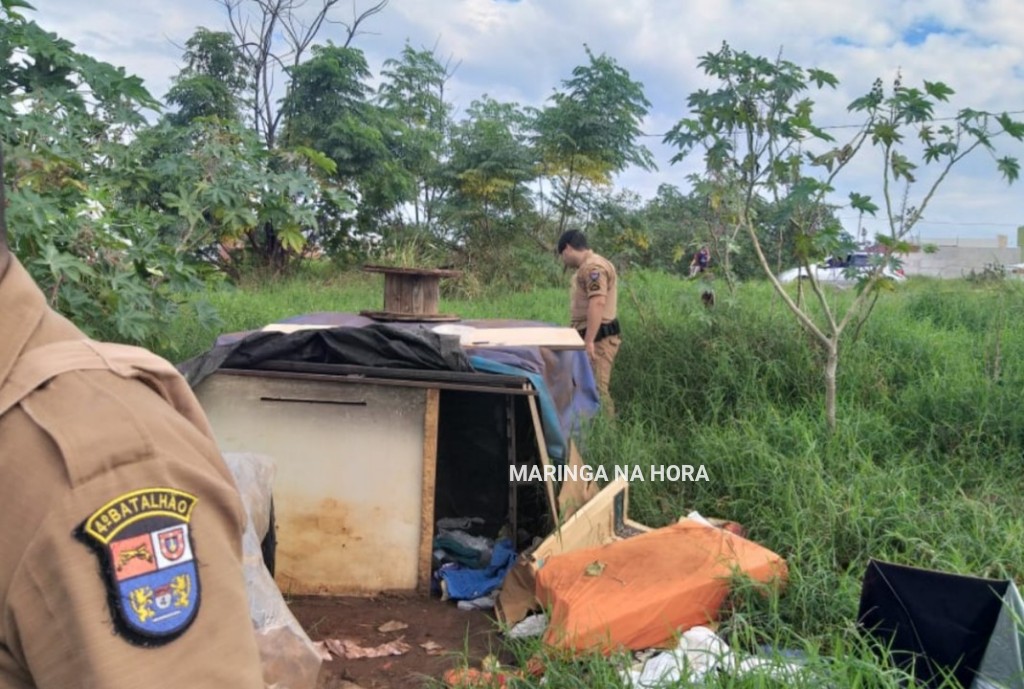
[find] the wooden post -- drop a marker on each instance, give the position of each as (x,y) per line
(545,460)
(430,419)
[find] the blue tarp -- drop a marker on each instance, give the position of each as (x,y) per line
(557,426)
(467,584)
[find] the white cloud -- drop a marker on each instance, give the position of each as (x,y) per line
(522,50)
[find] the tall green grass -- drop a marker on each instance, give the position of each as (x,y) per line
(924,469)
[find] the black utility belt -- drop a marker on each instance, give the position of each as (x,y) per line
(606,330)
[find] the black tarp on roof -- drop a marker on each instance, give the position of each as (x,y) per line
(375,345)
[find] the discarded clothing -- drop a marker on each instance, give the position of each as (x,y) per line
(532,626)
(451,549)
(467,584)
(481,603)
(700,652)
(460,523)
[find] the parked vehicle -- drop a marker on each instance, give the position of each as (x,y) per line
(834,270)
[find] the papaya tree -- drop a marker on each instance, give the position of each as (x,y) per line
(65,118)
(757,129)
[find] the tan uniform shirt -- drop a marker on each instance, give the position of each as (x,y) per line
(120,526)
(594,278)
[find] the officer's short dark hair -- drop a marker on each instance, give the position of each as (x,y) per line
(574,238)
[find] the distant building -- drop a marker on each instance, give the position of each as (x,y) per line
(959,256)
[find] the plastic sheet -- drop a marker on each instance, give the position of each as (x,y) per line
(289,658)
(699,653)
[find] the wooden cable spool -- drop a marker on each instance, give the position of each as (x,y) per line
(411,294)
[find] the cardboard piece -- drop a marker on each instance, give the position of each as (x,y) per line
(574,493)
(593,524)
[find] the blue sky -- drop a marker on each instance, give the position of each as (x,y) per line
(521,49)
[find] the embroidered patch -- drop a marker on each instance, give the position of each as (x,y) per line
(149,568)
(595,281)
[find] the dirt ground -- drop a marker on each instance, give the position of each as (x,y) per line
(462,635)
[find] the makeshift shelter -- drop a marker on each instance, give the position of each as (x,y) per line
(382,430)
(936,624)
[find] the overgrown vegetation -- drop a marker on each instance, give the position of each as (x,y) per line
(757,141)
(923,472)
(123,221)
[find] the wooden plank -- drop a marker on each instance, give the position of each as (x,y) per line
(591,525)
(293,327)
(550,337)
(384,382)
(545,460)
(430,418)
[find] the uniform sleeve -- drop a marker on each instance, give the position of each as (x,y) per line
(593,281)
(134,578)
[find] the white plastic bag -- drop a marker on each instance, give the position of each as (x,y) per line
(289,658)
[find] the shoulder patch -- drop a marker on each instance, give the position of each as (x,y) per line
(147,561)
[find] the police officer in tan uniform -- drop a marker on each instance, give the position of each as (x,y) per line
(120,525)
(593,306)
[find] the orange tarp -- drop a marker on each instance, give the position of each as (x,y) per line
(639,592)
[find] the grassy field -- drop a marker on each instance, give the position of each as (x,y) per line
(925,468)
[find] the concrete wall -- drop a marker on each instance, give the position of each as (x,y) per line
(959,261)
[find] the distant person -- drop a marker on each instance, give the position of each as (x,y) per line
(701,261)
(121,552)
(593,300)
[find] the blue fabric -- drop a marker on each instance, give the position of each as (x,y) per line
(467,584)
(558,421)
(553,436)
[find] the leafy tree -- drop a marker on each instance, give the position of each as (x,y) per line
(64,117)
(413,92)
(673,223)
(328,108)
(756,130)
(327,87)
(274,36)
(216,188)
(492,163)
(213,80)
(589,131)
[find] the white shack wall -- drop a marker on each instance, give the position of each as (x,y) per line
(348,492)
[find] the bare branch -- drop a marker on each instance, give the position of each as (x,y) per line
(353,29)
(274,37)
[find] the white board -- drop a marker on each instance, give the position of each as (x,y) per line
(550,337)
(540,336)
